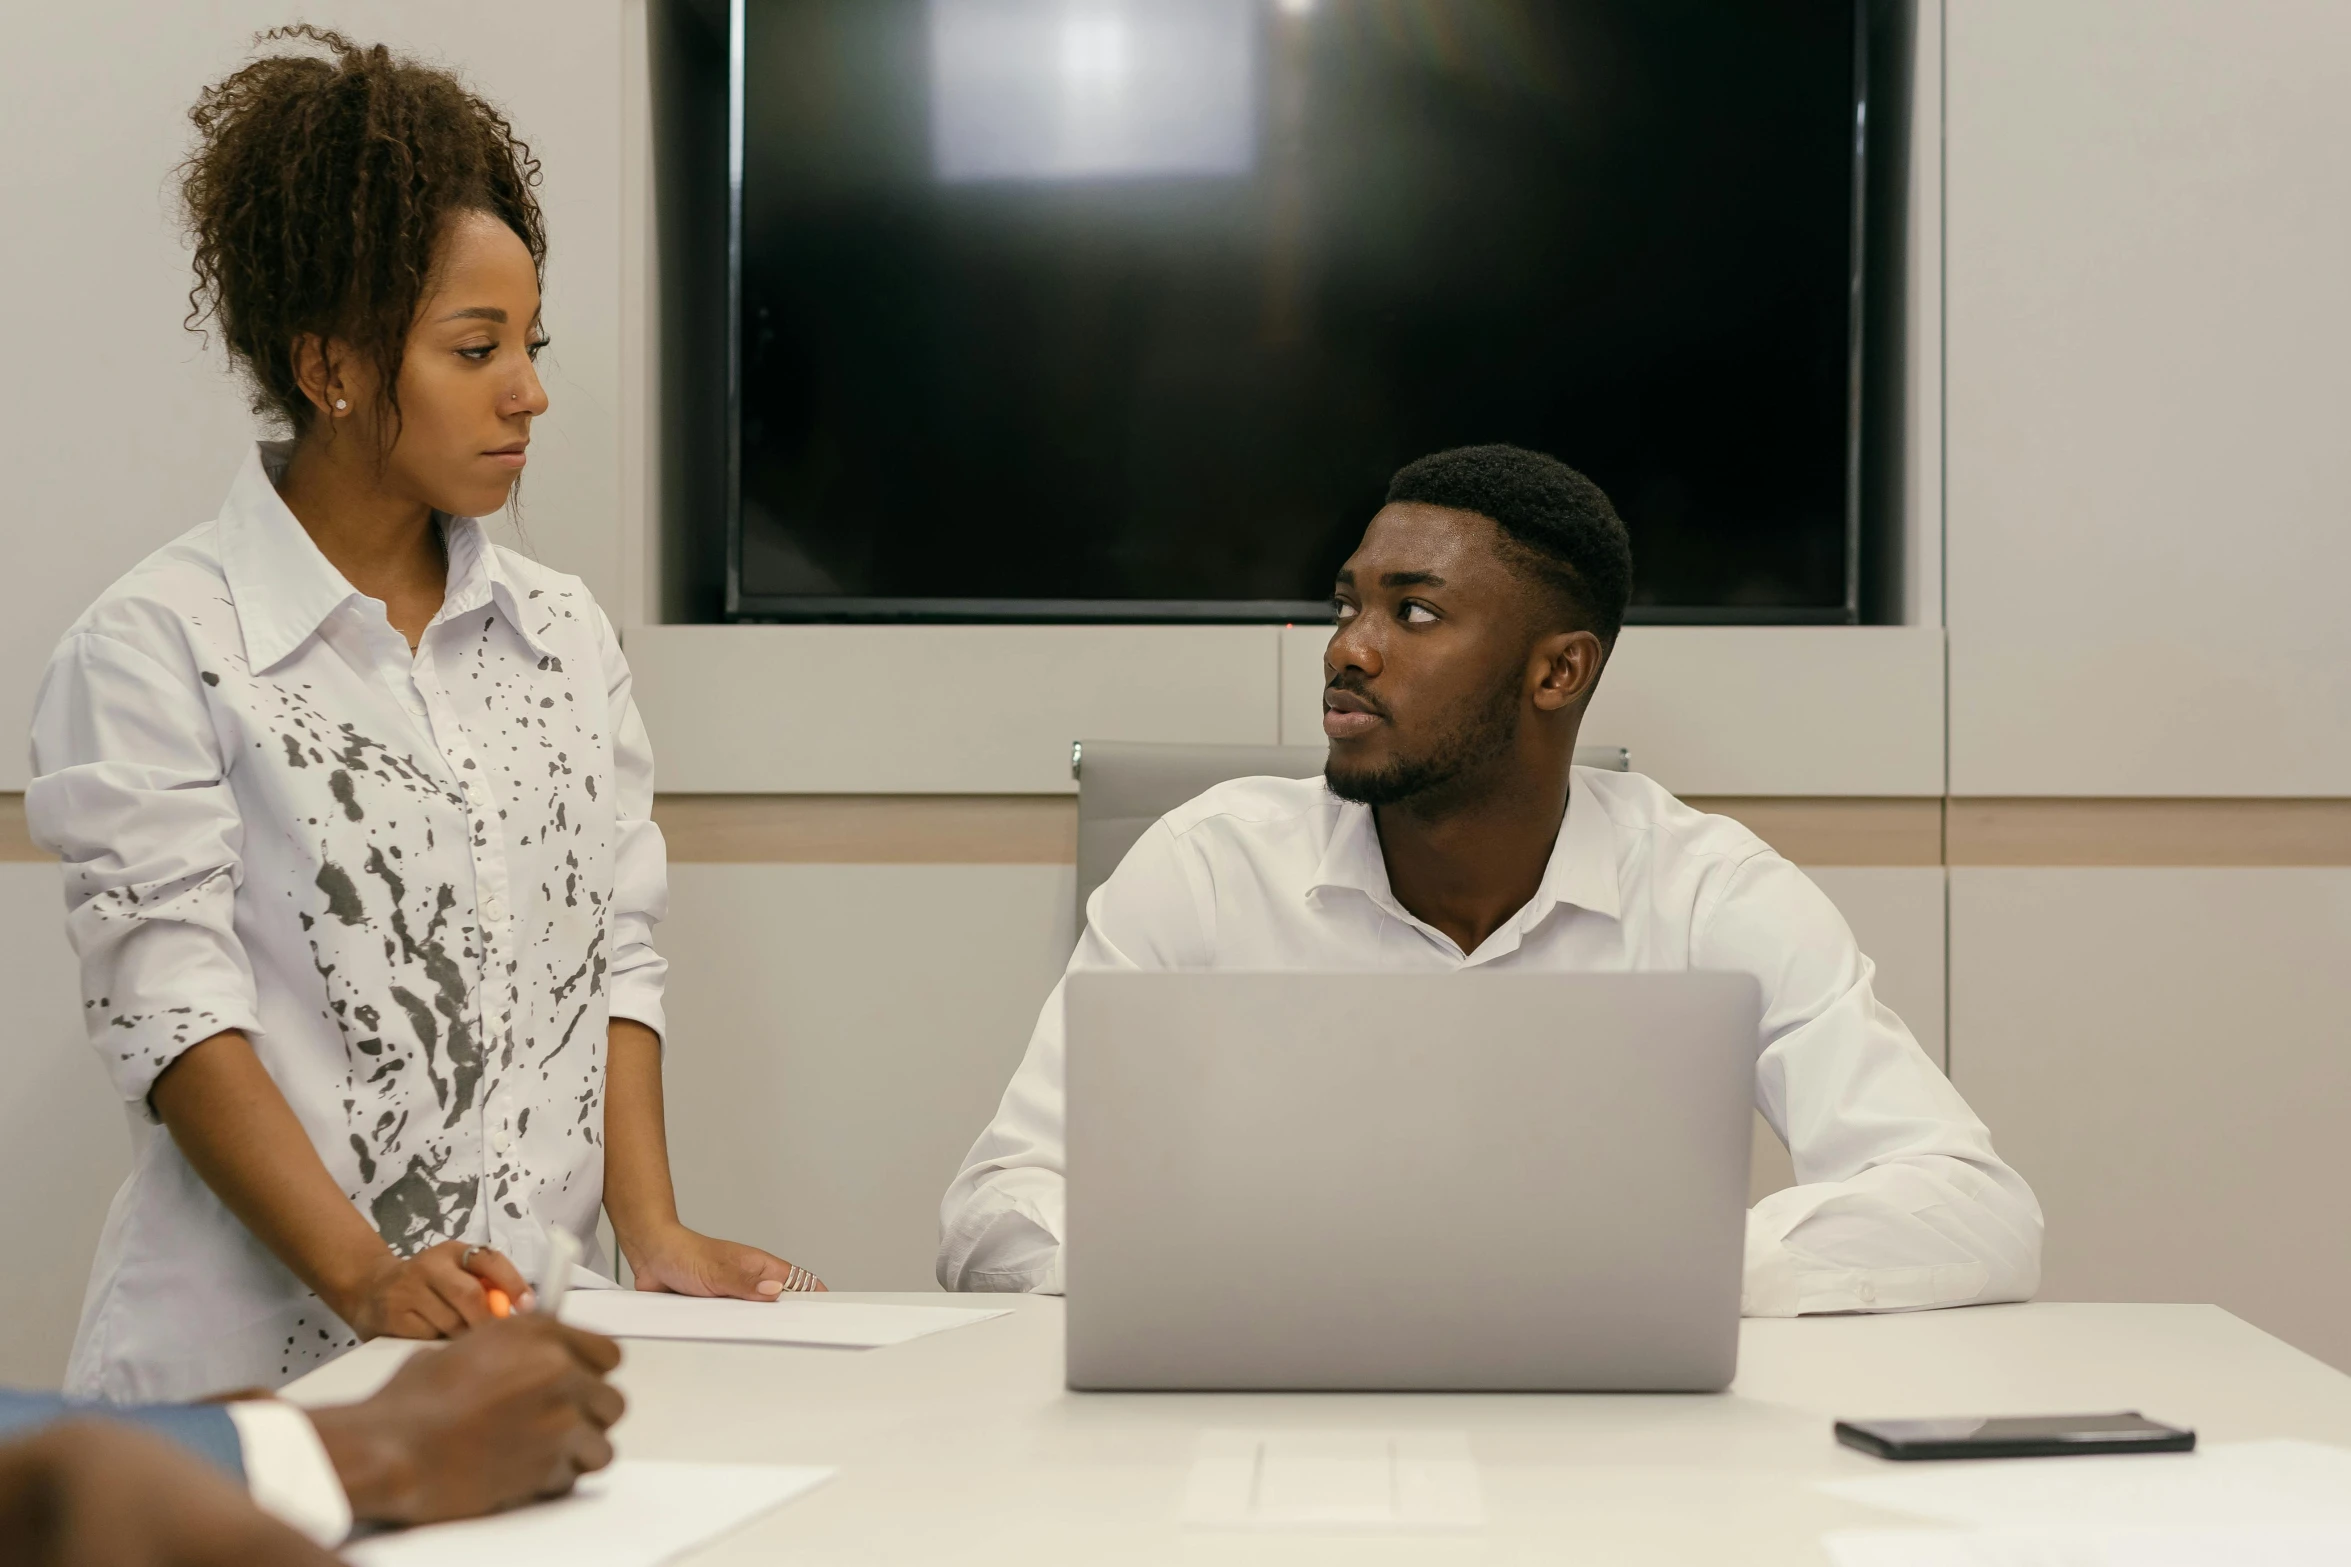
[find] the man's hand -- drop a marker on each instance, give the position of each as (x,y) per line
(680,1261)
(438,1293)
(92,1493)
(512,1412)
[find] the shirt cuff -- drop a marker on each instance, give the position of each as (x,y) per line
(1770,1287)
(1891,1289)
(638,998)
(288,1473)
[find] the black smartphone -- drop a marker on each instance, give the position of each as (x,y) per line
(2022,1436)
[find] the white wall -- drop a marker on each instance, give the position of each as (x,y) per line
(1827,710)
(2149,475)
(2147,469)
(64,1145)
(2166,1055)
(840,1035)
(118,428)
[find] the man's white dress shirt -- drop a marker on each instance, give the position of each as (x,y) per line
(420,883)
(1901,1204)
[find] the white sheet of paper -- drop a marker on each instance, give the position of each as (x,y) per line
(2251,1547)
(796,1320)
(1409,1480)
(634,1514)
(2234,1486)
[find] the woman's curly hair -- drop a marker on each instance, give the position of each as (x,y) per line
(316,196)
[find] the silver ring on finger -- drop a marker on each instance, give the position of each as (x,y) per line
(465,1258)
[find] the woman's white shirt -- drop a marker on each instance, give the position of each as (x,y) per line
(421,884)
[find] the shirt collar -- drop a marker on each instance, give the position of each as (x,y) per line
(1583,868)
(1581,873)
(285,589)
(478,576)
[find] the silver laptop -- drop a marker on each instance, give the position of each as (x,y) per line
(1384,1181)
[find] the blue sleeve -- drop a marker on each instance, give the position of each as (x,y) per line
(203,1429)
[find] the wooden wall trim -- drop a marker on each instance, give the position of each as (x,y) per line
(1041,829)
(870,829)
(2150,832)
(16,842)
(1839,832)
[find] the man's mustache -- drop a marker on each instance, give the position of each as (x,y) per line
(1352,683)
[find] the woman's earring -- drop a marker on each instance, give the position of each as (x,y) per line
(340,405)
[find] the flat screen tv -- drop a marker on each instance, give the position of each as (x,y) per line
(1127,309)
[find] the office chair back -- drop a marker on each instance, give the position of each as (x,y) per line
(1124,786)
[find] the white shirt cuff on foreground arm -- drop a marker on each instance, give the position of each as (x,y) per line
(288,1473)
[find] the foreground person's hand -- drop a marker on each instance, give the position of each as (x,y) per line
(511,1412)
(91,1493)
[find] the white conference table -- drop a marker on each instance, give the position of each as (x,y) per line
(966,1447)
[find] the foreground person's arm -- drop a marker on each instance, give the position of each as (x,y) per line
(1001,1222)
(1901,1202)
(102,1493)
(513,1412)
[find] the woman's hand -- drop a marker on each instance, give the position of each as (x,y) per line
(438,1293)
(683,1262)
(662,1253)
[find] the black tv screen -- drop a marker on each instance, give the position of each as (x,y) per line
(1127,309)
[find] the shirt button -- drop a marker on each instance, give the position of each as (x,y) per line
(501,1141)
(1868,1293)
(493,907)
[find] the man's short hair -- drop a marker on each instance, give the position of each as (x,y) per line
(1566,533)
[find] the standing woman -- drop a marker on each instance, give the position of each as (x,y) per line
(353,803)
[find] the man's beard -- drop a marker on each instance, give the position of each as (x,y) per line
(1483,735)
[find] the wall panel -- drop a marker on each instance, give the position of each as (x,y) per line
(2146,328)
(839,1035)
(64,1144)
(937,709)
(2166,1055)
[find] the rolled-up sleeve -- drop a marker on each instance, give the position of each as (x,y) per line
(130,793)
(1901,1202)
(640,859)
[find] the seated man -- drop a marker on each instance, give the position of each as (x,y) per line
(510,1413)
(1451,832)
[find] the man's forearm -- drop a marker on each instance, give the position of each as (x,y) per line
(237,1132)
